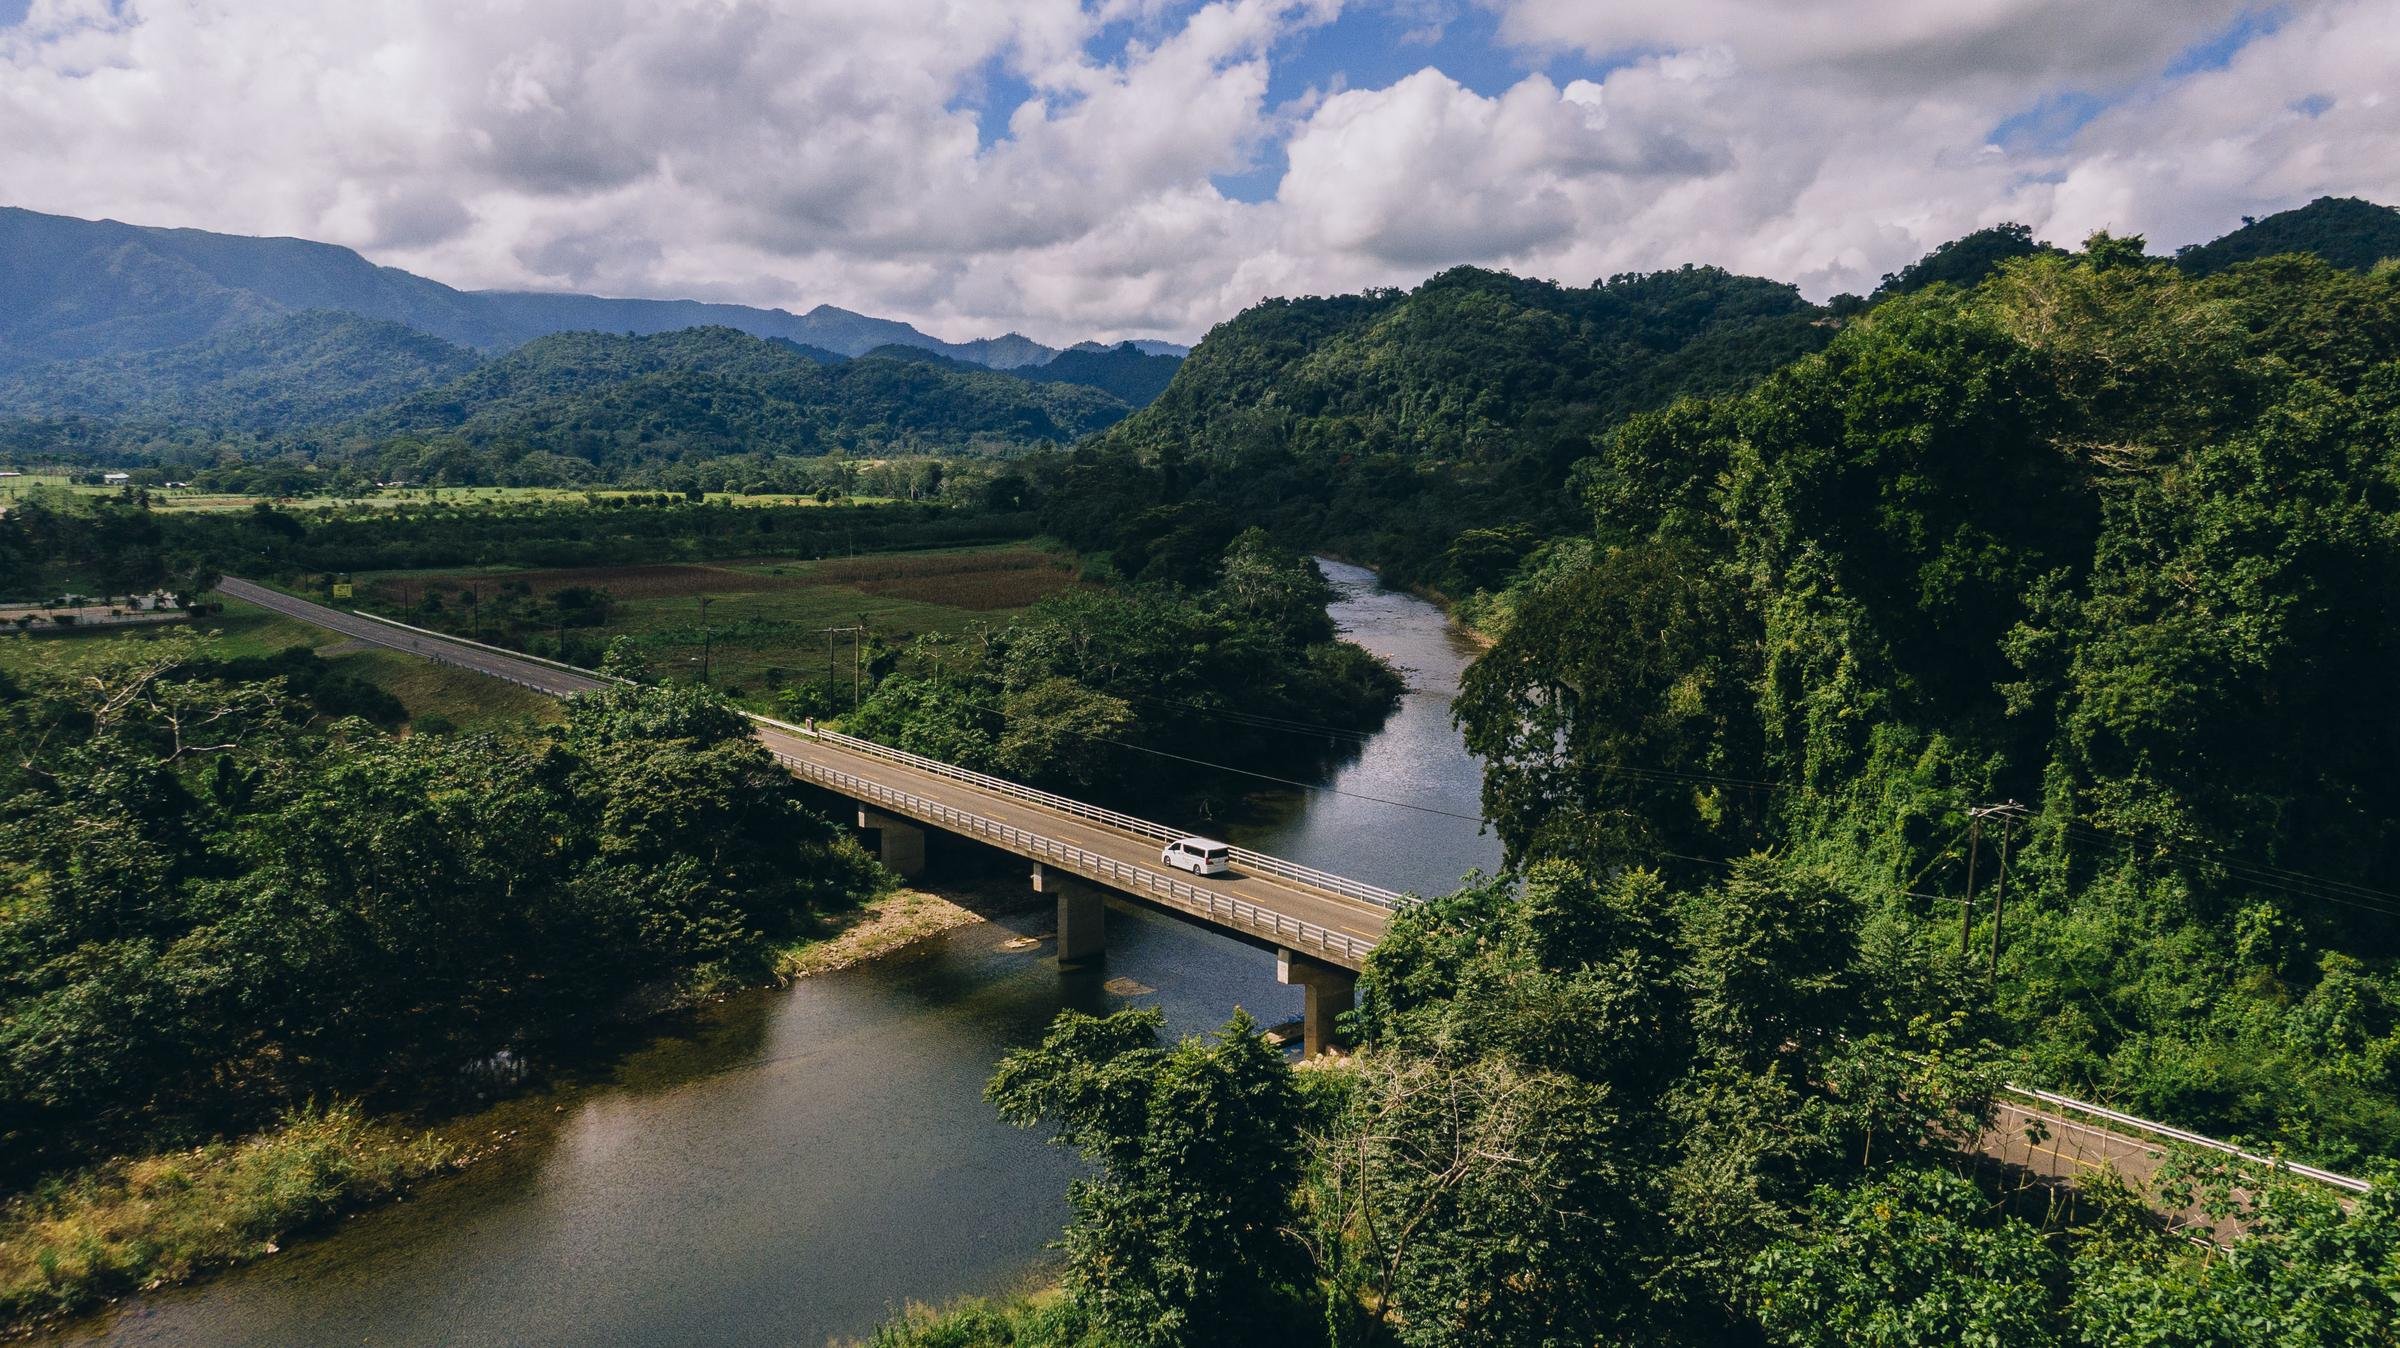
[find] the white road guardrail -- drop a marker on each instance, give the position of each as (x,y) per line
(560,665)
(2170,1133)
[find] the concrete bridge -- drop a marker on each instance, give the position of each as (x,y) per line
(1319,926)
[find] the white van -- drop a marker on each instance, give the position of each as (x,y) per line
(1200,856)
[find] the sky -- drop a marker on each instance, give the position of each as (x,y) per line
(1076,169)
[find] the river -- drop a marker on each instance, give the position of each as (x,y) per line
(793,1165)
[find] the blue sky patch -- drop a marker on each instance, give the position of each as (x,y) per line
(1374,46)
(2050,123)
(2217,50)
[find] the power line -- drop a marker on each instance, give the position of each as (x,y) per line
(1257,720)
(1305,786)
(1245,772)
(1289,725)
(2284,880)
(2296,883)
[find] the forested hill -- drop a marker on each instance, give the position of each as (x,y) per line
(619,402)
(1387,423)
(1473,364)
(303,370)
(324,383)
(2099,536)
(1125,370)
(2344,231)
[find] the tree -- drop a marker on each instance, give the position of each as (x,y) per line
(1912,1259)
(1613,690)
(2314,1270)
(1060,734)
(1182,1237)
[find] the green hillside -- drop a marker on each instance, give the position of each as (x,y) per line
(2344,231)
(1135,376)
(2097,536)
(618,402)
(1390,423)
(283,374)
(1966,260)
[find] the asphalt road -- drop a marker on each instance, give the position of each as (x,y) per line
(1129,863)
(516,669)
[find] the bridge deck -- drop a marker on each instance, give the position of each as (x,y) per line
(1253,903)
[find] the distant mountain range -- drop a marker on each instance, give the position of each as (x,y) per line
(117,339)
(617,400)
(120,343)
(72,289)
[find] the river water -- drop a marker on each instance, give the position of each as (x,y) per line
(792,1166)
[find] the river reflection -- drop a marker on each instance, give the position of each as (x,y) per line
(792,1166)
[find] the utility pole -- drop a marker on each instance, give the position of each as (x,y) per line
(857,633)
(2000,886)
(705,601)
(2007,813)
(1966,906)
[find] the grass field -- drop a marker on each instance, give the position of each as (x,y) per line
(764,620)
(468,701)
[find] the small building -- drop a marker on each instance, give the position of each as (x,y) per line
(10,472)
(115,479)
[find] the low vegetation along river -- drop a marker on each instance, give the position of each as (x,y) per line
(793,1165)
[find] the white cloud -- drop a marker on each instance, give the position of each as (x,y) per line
(2307,112)
(1899,43)
(802,151)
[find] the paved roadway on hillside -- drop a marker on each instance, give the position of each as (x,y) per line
(1121,860)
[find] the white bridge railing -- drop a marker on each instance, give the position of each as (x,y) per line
(1256,862)
(1287,931)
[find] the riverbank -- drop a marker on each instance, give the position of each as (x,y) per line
(133,1224)
(881,925)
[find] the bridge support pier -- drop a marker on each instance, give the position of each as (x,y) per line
(1082,915)
(900,843)
(1330,990)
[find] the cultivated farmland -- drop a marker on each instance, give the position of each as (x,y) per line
(760,625)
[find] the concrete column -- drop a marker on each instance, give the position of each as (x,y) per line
(1082,915)
(1330,990)
(900,844)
